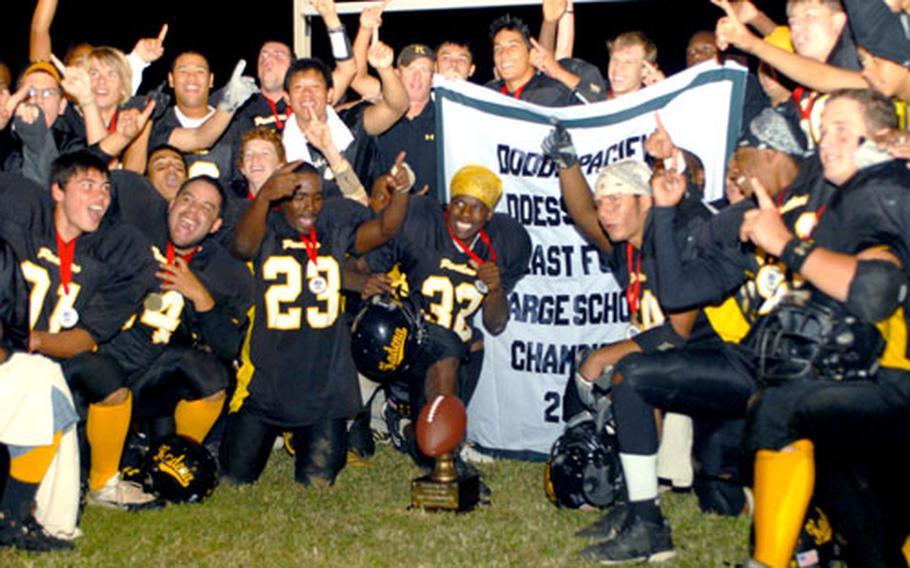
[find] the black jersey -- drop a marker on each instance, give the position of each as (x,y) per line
(217,161)
(441,272)
(872,210)
(13,308)
(417,137)
(135,201)
(259,110)
(107,270)
(733,281)
(636,271)
(541,90)
(297,367)
(166,318)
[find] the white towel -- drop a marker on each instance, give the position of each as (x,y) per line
(295,142)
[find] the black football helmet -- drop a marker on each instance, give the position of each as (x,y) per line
(583,468)
(387,336)
(180,470)
(808,335)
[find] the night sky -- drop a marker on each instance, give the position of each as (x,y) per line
(100,22)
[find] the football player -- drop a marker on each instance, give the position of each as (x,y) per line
(458,261)
(856,264)
(37,409)
(175,348)
(618,218)
(297,372)
(84,280)
(711,381)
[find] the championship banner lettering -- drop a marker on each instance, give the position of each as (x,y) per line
(569,303)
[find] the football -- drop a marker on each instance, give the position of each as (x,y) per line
(441,425)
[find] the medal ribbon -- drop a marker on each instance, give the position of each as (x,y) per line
(113,125)
(311,244)
(466,249)
(274,107)
(804,108)
(171,253)
(517,94)
(633,290)
(66,251)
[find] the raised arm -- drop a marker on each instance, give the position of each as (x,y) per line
(370,21)
(809,72)
(39,40)
(376,232)
(575,190)
(238,89)
(381,115)
(250,229)
(345,68)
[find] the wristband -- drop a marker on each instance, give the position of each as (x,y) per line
(341,44)
(795,253)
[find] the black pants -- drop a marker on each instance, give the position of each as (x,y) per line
(320,448)
(861,430)
(707,383)
(91,377)
(180,373)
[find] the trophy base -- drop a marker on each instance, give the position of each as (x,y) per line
(460,495)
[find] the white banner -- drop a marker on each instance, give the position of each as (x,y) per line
(569,302)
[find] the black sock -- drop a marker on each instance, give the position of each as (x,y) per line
(647,510)
(18,499)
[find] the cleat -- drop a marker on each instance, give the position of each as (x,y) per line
(118,493)
(29,535)
(399,426)
(640,541)
(472,455)
(616,519)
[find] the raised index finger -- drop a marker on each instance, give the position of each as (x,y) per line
(163,33)
(761,194)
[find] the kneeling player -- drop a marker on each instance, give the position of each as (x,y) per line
(459,260)
(82,271)
(297,372)
(36,410)
(175,349)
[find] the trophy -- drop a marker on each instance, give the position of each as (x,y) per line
(440,430)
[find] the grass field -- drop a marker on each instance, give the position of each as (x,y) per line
(363,521)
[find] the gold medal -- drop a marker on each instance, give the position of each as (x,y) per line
(153,302)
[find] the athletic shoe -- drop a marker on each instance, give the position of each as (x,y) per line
(471,454)
(120,494)
(399,427)
(29,535)
(611,524)
(641,541)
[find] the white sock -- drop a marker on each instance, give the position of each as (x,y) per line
(641,475)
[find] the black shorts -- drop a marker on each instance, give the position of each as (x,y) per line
(180,373)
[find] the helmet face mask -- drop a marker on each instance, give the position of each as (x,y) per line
(811,337)
(387,336)
(583,470)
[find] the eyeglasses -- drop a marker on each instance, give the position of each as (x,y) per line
(42,94)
